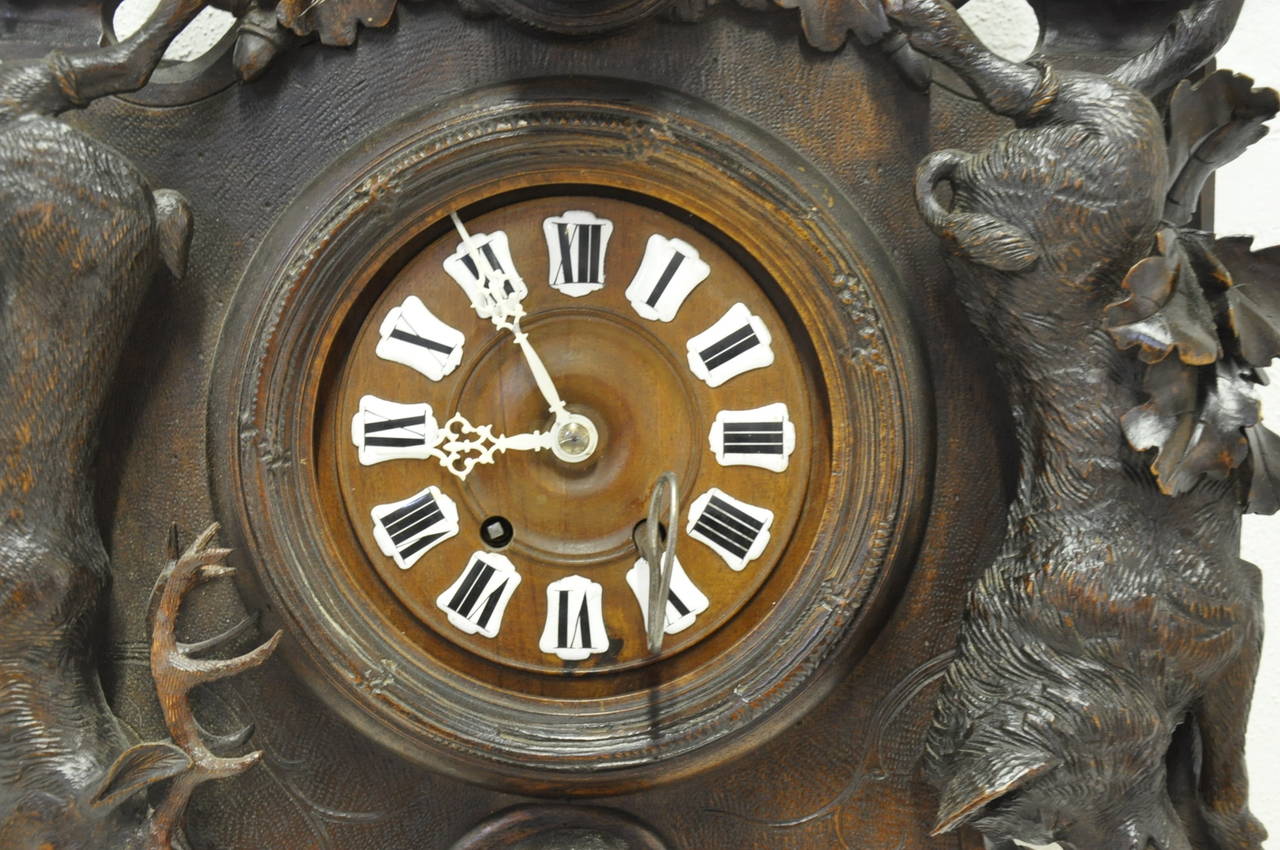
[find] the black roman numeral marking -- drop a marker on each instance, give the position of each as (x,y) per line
(405,332)
(406,525)
(677,603)
(491,259)
(409,424)
(753,438)
(664,279)
(471,600)
(581,635)
(582,265)
(719,353)
(730,528)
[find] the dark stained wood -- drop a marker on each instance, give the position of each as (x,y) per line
(1096,647)
(661,718)
(800,721)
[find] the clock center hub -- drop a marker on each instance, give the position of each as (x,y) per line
(576,439)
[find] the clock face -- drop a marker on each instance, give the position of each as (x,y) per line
(501,509)
(461,361)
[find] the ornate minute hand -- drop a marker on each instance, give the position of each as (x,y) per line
(501,304)
(496,298)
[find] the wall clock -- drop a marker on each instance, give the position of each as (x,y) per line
(463,359)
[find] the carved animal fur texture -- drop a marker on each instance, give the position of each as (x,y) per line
(82,237)
(1101,690)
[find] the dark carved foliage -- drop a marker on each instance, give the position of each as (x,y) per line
(827,23)
(1204,330)
(336,22)
(1211,123)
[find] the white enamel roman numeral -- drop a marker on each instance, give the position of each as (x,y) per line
(576,243)
(671,268)
(684,601)
(413,336)
(495,255)
(386,430)
(738,342)
(736,531)
(575,619)
(476,601)
(407,530)
(763,437)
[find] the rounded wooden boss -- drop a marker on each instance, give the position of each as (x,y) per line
(368,232)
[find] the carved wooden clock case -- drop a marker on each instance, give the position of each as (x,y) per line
(458,296)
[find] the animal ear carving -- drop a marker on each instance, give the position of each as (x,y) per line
(136,768)
(982,779)
(976,236)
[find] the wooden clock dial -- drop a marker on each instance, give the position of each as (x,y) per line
(623,363)
(690,298)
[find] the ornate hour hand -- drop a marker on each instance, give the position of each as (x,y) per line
(460,446)
(496,293)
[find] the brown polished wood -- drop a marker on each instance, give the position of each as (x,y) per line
(628,375)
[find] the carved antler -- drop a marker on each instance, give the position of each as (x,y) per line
(176,673)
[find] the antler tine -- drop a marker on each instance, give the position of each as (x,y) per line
(176,673)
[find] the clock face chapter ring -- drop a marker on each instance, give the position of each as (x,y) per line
(460,360)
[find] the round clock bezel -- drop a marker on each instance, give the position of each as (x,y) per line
(362,214)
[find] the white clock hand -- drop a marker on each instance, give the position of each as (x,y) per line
(501,304)
(496,299)
(460,446)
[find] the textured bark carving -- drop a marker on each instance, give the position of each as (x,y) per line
(82,237)
(1101,691)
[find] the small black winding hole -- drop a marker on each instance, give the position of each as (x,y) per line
(496,532)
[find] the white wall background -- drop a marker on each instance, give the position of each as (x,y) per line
(1248,202)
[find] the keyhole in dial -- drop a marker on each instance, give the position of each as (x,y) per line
(638,532)
(497,532)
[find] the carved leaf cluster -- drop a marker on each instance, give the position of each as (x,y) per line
(1204,332)
(1204,316)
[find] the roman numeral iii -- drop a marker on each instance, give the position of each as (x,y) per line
(762,437)
(738,342)
(413,336)
(575,620)
(684,601)
(407,530)
(385,430)
(576,243)
(476,601)
(671,268)
(736,531)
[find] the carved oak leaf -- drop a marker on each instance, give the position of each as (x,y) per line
(335,21)
(1253,299)
(1264,460)
(1166,309)
(827,23)
(1212,123)
(1195,419)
